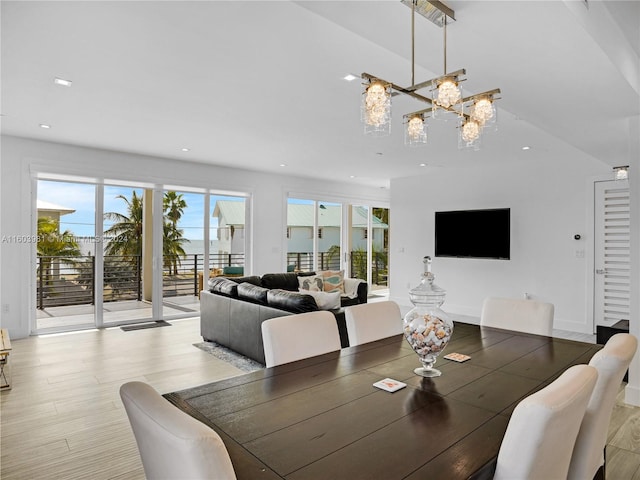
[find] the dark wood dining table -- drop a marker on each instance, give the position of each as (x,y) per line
(322,418)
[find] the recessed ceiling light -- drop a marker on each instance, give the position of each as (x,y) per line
(350,77)
(526,148)
(62,81)
(185,149)
(283,164)
(422,165)
(44,125)
(352,176)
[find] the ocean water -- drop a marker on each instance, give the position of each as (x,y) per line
(88,246)
(197,246)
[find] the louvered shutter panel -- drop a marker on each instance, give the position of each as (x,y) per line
(612,285)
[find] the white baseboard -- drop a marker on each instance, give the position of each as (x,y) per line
(569,326)
(632,395)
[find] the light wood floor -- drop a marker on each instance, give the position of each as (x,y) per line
(63,418)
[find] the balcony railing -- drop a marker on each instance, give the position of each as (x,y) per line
(303,261)
(71,281)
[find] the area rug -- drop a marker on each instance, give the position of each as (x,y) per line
(241,362)
(142,326)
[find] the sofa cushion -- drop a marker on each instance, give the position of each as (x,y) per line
(223,286)
(284,281)
(252,293)
(324,300)
(253,280)
(312,283)
(233,270)
(333,280)
(291,301)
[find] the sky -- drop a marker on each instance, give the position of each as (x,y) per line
(81,197)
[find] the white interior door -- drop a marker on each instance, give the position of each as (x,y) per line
(611,252)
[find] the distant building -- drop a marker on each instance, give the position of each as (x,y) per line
(51,210)
(300,221)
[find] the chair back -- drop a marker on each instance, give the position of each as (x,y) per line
(171,443)
(543,427)
(368,322)
(612,363)
(522,315)
(294,337)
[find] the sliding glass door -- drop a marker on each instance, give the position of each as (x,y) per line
(369,246)
(317,232)
(125,280)
(227,235)
(183,253)
(110,254)
(380,250)
(65,255)
(314,235)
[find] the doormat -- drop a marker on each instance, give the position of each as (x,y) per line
(142,326)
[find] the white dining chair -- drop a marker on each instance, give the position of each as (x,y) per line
(368,322)
(543,427)
(171,443)
(294,337)
(611,362)
(517,314)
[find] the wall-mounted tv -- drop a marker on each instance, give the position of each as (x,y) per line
(473,233)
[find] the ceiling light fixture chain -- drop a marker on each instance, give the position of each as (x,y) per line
(446,95)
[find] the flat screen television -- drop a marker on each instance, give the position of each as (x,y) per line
(473,233)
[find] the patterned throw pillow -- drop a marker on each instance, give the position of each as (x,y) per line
(313,283)
(333,280)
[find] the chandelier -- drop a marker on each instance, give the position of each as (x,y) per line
(476,113)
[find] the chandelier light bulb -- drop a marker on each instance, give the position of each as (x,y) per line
(415,133)
(448,93)
(470,131)
(377,103)
(415,127)
(483,111)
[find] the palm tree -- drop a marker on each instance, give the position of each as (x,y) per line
(173,205)
(333,254)
(172,246)
(54,246)
(126,232)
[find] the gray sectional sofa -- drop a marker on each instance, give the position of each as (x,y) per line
(232,309)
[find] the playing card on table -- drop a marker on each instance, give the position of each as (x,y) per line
(457,357)
(390,385)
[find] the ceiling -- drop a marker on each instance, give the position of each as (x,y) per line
(259,84)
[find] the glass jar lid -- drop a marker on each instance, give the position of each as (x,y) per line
(427,292)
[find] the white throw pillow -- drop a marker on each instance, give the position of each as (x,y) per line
(324,300)
(313,283)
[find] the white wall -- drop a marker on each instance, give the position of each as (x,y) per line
(22,157)
(548,202)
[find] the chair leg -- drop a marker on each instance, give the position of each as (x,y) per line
(600,474)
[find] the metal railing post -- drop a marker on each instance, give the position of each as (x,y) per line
(195,274)
(93,280)
(41,280)
(139,276)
